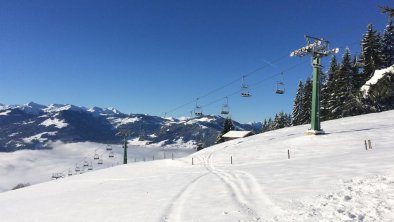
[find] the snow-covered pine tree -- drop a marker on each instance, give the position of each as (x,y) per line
(270,124)
(388,10)
(355,104)
(227,126)
(264,126)
(381,94)
(275,122)
(388,44)
(297,105)
(306,102)
(343,87)
(371,52)
(358,78)
(278,121)
(281,120)
(287,120)
(328,90)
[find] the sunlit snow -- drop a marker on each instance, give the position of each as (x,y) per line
(5,113)
(331,177)
(55,122)
(378,74)
(127,120)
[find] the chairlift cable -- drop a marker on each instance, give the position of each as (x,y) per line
(230,83)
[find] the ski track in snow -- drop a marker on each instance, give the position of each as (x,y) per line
(242,187)
(174,211)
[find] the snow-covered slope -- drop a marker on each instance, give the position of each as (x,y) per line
(330,177)
(37,166)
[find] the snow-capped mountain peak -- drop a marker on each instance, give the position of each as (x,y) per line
(61,107)
(104,111)
(31,108)
(2,106)
(113,110)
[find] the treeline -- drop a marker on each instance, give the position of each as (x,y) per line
(280,120)
(341,93)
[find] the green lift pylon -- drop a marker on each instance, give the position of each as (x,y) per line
(125,150)
(125,134)
(317,48)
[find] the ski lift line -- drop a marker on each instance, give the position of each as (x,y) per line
(230,83)
(86,157)
(255,84)
(329,36)
(278,74)
(245,75)
(205,95)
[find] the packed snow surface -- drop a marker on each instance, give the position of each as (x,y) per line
(330,177)
(378,74)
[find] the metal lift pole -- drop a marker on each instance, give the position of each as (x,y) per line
(317,48)
(315,111)
(125,150)
(125,133)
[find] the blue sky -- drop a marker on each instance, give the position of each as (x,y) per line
(153,56)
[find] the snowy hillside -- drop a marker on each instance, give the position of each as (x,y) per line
(331,177)
(37,166)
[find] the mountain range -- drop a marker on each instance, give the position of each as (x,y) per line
(34,126)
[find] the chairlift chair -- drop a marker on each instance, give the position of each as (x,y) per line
(280,89)
(85,163)
(57,175)
(111,154)
(100,161)
(198,109)
(225,108)
(244,89)
(90,167)
(77,169)
(96,156)
(109,147)
(70,173)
